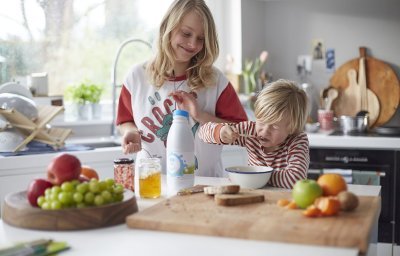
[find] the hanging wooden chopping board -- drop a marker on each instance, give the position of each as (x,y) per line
(381,80)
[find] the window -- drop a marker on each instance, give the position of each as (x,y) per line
(74,40)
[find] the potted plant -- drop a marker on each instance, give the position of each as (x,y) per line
(86,96)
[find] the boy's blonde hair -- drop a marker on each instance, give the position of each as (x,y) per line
(200,73)
(279,99)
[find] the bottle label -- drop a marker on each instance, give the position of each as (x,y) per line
(180,163)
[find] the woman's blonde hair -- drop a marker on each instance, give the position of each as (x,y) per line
(279,99)
(200,73)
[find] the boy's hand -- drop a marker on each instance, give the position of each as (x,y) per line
(228,134)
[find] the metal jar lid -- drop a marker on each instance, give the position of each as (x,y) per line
(123,161)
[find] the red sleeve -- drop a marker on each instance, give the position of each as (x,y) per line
(229,106)
(124,112)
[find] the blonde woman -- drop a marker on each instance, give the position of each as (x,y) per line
(276,138)
(180,76)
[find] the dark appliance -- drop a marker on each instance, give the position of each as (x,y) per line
(369,167)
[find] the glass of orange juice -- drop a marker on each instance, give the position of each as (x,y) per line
(149,171)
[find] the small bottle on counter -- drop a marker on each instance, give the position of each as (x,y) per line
(181,161)
(124,172)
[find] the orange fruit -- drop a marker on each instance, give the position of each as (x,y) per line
(89,172)
(291,205)
(312,211)
(282,202)
(332,184)
(328,206)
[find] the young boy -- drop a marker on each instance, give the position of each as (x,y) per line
(276,138)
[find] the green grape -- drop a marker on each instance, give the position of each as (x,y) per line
(94,187)
(75,183)
(81,205)
(118,189)
(55,189)
(98,200)
(102,185)
(106,196)
(67,186)
(64,198)
(118,197)
(40,200)
(82,188)
(53,196)
(78,197)
(46,206)
(47,192)
(89,198)
(110,182)
(55,205)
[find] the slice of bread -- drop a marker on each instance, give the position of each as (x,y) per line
(226,189)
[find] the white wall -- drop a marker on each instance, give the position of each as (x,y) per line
(286,28)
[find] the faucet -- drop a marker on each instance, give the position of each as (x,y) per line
(114,80)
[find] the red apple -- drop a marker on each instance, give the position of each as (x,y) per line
(305,192)
(64,167)
(36,188)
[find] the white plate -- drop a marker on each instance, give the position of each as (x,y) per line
(12,87)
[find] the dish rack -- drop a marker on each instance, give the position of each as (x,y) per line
(37,130)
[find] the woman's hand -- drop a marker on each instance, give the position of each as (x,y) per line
(131,142)
(228,134)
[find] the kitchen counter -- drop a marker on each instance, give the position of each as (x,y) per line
(122,240)
(371,141)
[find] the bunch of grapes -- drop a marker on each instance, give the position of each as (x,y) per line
(75,194)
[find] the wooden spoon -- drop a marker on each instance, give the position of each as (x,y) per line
(332,94)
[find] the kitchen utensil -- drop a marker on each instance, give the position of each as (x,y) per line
(332,94)
(381,79)
(18,212)
(247,135)
(238,199)
(349,102)
(24,105)
(388,130)
(191,190)
(369,101)
(353,124)
(15,88)
(265,221)
(10,139)
(249,176)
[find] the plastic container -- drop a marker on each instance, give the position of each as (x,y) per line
(149,170)
(181,161)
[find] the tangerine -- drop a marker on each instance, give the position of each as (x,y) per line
(332,184)
(89,172)
(312,211)
(329,206)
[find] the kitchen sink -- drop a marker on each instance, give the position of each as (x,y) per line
(102,144)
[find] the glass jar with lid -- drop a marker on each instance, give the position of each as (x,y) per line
(124,172)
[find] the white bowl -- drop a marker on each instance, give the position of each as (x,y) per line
(252,177)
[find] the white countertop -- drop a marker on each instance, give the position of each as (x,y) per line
(121,240)
(325,140)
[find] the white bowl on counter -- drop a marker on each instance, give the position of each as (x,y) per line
(251,177)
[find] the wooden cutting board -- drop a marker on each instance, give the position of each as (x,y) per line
(17,211)
(199,214)
(381,80)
